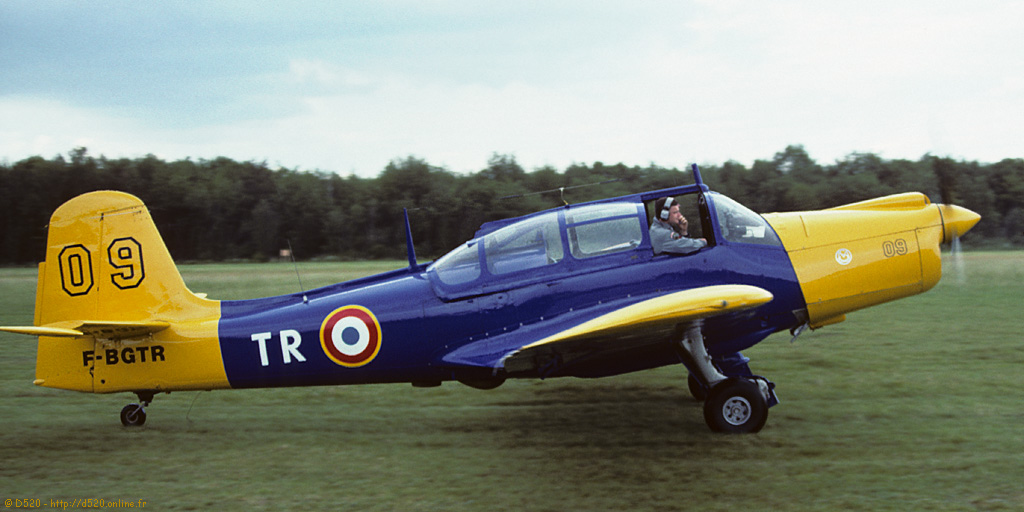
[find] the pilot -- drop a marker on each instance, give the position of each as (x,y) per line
(670,229)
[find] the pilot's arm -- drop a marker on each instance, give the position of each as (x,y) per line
(663,239)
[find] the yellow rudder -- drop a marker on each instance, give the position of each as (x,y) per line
(112,311)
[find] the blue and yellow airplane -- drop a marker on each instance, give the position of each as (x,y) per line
(573,291)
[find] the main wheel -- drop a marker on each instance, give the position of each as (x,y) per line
(696,388)
(735,406)
(133,415)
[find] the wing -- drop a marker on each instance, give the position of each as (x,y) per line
(102,330)
(608,330)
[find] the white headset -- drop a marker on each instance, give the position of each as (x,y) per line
(665,209)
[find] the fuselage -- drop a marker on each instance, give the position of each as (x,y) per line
(418,327)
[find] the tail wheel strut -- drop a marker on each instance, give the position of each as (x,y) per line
(134,415)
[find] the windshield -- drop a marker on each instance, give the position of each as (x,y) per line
(740,224)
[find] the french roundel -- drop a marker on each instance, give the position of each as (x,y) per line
(350,336)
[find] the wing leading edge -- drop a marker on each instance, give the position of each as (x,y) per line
(635,325)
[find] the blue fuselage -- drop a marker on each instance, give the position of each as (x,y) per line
(279,341)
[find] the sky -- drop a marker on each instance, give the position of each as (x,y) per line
(348,86)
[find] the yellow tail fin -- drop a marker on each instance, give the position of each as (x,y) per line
(105,260)
(109,284)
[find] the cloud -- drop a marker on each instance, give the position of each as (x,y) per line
(349,86)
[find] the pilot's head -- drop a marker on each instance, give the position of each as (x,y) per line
(667,209)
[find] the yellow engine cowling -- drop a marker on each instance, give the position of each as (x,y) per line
(861,254)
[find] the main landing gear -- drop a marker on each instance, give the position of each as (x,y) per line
(134,415)
(735,405)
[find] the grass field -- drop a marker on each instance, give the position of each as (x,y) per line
(912,405)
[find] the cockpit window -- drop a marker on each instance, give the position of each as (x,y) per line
(531,245)
(739,224)
(459,266)
(525,245)
(603,229)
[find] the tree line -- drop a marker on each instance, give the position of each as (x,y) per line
(221,209)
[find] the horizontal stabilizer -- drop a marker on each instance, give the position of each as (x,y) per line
(44,331)
(100,330)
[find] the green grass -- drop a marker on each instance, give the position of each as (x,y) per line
(912,405)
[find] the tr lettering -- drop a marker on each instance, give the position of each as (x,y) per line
(290,341)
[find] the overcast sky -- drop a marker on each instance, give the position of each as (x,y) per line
(348,86)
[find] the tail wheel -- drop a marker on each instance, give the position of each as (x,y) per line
(735,406)
(133,415)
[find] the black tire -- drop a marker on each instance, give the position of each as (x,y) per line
(696,388)
(133,415)
(736,406)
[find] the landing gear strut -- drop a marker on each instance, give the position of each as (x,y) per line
(737,405)
(134,415)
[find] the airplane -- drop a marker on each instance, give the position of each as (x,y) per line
(572,291)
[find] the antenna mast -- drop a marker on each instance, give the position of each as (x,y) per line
(291,252)
(408,241)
